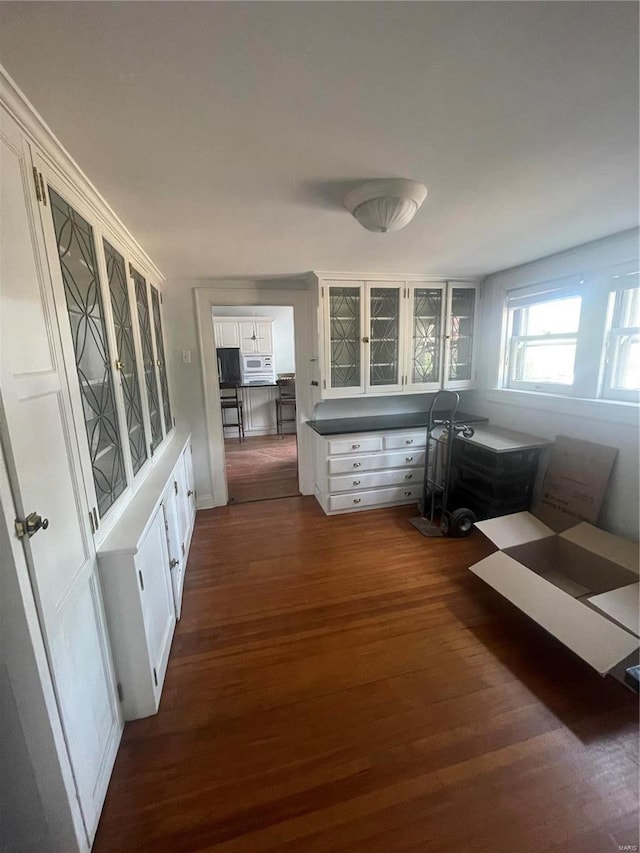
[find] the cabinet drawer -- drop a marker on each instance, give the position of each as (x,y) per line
(405,439)
(358,500)
(397,477)
(355,444)
(377,461)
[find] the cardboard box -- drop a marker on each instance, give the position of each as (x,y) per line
(580,583)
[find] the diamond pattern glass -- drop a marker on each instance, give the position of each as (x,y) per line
(344,323)
(162,368)
(427,321)
(461,333)
(121,311)
(76,249)
(384,338)
(150,378)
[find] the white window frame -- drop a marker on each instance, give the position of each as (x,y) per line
(595,363)
(615,334)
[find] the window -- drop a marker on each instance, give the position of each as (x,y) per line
(622,371)
(579,338)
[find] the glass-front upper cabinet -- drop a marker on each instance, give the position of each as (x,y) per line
(383,342)
(127,361)
(148,361)
(460,336)
(425,336)
(76,248)
(160,360)
(396,336)
(363,338)
(343,325)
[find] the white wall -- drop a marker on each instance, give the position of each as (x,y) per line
(282,330)
(187,378)
(613,424)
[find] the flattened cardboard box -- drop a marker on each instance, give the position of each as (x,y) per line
(580,584)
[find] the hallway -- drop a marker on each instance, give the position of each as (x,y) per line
(261,468)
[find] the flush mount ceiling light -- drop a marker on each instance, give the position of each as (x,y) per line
(385,205)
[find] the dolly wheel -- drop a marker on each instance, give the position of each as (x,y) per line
(460,522)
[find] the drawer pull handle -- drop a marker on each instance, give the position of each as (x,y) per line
(355,446)
(408,476)
(356,500)
(408,494)
(409,441)
(356,482)
(409,458)
(357,464)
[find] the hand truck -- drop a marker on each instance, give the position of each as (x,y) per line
(441,431)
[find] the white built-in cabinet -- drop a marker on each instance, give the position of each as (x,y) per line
(365,470)
(88,432)
(394,335)
(142,564)
(251,336)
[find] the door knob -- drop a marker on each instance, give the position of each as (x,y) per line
(30,525)
(189,493)
(173,563)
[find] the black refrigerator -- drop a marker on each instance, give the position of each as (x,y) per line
(229,372)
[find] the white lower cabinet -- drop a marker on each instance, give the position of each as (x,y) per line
(142,567)
(362,471)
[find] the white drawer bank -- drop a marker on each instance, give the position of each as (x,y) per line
(141,565)
(365,470)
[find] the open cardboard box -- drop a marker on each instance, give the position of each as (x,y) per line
(577,581)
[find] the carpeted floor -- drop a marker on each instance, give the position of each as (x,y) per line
(261,468)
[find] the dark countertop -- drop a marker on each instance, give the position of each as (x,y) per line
(372,423)
(226,386)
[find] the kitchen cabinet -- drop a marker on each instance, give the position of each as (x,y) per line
(226,333)
(86,402)
(394,335)
(142,567)
(373,469)
(251,336)
(256,337)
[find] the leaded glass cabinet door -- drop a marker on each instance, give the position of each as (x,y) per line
(78,265)
(148,361)
(383,348)
(425,336)
(343,328)
(460,371)
(160,360)
(127,362)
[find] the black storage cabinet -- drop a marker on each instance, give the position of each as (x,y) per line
(492,483)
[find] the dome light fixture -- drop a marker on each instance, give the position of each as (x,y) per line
(385,205)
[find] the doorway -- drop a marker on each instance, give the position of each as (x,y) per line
(255,356)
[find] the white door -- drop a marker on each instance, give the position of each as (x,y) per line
(183,502)
(44,464)
(190,483)
(156,596)
(264,337)
(174,546)
(424,335)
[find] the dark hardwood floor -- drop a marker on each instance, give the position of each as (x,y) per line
(261,468)
(343,684)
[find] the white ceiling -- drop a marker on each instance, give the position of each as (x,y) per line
(226,134)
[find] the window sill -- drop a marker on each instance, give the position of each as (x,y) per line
(604,410)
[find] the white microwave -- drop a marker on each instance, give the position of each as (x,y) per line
(254,366)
